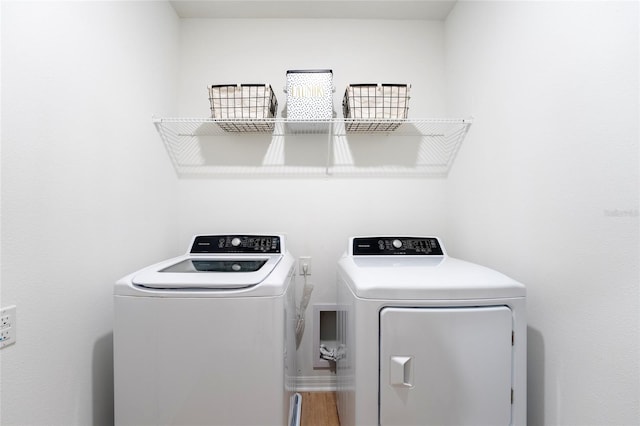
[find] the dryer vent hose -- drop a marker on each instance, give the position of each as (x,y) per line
(300,312)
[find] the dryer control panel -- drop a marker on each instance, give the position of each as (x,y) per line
(407,246)
(249,244)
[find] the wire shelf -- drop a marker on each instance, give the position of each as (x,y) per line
(334,147)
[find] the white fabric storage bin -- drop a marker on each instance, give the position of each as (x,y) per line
(309,94)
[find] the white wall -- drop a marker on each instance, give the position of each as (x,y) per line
(545,189)
(87,192)
(230,51)
(317,214)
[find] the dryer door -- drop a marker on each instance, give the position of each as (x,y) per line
(445,366)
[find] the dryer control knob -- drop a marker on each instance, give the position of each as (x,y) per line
(397,243)
(236,242)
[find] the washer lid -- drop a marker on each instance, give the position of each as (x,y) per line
(207,272)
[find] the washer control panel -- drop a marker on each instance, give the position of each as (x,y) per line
(236,244)
(407,246)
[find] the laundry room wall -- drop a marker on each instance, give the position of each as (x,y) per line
(545,189)
(318,214)
(87,192)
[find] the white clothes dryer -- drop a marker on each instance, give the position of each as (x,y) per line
(427,339)
(207,338)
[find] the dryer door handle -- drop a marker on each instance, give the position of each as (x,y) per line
(401,371)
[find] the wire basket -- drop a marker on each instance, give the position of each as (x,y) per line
(244,105)
(375,107)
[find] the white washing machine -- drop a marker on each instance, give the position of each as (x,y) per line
(427,339)
(207,338)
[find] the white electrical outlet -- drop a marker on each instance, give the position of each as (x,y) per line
(302,261)
(7,326)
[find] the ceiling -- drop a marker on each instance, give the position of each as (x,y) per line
(336,9)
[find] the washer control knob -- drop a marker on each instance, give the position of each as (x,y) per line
(236,242)
(397,243)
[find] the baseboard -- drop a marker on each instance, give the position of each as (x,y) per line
(315,383)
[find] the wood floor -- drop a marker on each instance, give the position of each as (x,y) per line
(319,409)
